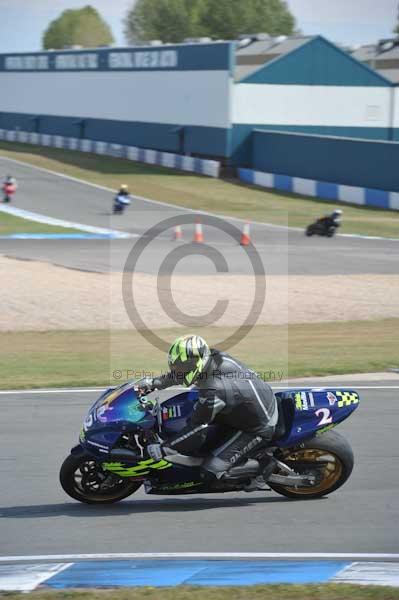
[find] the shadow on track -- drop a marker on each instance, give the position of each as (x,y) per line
(128,507)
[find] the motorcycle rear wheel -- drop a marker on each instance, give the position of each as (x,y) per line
(83,479)
(328,456)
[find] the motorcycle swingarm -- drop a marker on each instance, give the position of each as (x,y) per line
(292,480)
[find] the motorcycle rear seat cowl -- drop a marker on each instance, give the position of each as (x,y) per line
(285,410)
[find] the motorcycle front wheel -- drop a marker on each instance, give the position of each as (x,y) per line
(83,479)
(328,457)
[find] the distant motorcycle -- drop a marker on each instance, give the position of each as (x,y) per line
(326,226)
(120,203)
(323,227)
(9,190)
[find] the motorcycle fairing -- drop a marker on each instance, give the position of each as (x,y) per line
(120,405)
(307,411)
(141,468)
(170,489)
(311,411)
(118,410)
(174,412)
(178,480)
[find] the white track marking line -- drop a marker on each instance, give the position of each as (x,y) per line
(39,218)
(28,577)
(207,555)
(369,573)
(55,391)
(184,209)
(331,385)
(275,387)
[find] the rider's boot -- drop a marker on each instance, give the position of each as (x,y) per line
(260,481)
(257,484)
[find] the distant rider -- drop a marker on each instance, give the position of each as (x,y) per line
(332,220)
(123,190)
(230,394)
(122,198)
(9,188)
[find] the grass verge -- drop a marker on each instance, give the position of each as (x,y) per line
(256,592)
(87,358)
(10,224)
(213,195)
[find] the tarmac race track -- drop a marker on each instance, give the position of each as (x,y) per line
(282,251)
(36,517)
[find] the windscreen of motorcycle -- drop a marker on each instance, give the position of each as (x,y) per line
(117,406)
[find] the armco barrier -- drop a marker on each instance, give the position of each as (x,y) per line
(211,168)
(332,192)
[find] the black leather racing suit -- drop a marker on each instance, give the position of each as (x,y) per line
(232,395)
(329,221)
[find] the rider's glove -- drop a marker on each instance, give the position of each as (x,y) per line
(155,451)
(145,386)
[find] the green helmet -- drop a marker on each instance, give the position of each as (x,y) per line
(188,357)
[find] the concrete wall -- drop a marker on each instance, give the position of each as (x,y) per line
(351,162)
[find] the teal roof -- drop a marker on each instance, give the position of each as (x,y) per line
(317,62)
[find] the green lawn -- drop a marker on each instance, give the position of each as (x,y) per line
(214,195)
(256,592)
(11,224)
(97,358)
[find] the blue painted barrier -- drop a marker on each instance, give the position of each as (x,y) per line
(347,161)
(211,168)
(332,192)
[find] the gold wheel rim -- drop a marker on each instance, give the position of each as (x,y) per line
(331,471)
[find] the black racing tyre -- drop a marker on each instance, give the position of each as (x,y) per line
(83,479)
(309,231)
(328,456)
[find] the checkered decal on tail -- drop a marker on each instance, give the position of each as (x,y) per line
(346,398)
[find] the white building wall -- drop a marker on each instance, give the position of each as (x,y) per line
(189,97)
(396,111)
(327,106)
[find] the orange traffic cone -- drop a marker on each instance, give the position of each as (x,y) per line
(245,236)
(198,235)
(178,234)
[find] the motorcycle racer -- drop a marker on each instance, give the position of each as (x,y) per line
(230,394)
(122,199)
(123,190)
(9,188)
(332,220)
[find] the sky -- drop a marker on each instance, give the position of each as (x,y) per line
(350,22)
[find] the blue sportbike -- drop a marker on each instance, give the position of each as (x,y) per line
(111,463)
